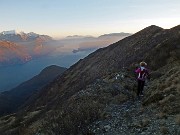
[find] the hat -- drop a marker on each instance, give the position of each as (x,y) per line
(143,64)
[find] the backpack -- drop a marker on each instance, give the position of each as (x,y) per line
(142,74)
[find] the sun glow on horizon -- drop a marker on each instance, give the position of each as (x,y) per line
(59,19)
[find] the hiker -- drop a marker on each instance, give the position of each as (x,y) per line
(142,74)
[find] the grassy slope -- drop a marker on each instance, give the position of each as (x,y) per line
(70,101)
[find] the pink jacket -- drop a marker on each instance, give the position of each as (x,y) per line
(142,73)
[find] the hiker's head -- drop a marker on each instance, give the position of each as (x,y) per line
(143,64)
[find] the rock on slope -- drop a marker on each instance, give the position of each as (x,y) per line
(71,103)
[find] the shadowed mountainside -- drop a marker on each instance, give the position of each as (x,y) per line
(73,101)
(11,100)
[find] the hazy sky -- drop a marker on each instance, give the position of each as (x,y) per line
(59,18)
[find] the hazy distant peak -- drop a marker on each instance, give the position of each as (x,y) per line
(116,34)
(8,32)
(52,68)
(16,32)
(78,37)
(74,36)
(32,34)
(18,36)
(12,32)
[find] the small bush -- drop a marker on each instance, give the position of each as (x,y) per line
(162,115)
(156,75)
(145,122)
(169,98)
(155,97)
(119,99)
(164,130)
(177,119)
(74,118)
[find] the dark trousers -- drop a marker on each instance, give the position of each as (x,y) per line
(140,87)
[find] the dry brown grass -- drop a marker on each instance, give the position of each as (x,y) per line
(168,98)
(165,91)
(177,119)
(164,130)
(145,122)
(162,115)
(73,118)
(119,99)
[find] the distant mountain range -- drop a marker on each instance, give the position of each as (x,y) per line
(79,37)
(14,36)
(20,47)
(93,43)
(122,34)
(11,100)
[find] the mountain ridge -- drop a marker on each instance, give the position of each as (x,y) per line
(18,95)
(83,93)
(93,65)
(113,64)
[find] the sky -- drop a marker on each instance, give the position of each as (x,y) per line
(60,18)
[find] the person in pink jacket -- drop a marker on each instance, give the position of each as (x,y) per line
(142,74)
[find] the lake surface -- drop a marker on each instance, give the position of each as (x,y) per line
(11,76)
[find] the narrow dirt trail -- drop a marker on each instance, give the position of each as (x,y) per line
(131,118)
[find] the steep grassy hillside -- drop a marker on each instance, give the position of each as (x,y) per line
(83,96)
(11,100)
